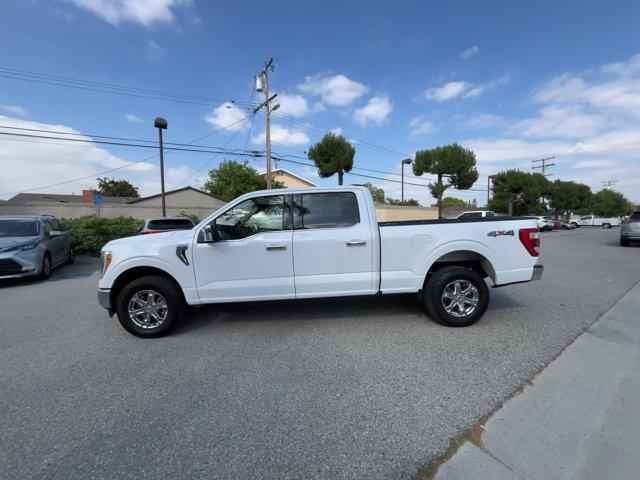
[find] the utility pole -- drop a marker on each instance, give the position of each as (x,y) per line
(161,124)
(609,183)
(262,85)
(406,161)
(544,165)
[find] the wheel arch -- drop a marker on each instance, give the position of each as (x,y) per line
(465,257)
(133,273)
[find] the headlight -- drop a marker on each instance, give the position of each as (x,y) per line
(105,261)
(29,246)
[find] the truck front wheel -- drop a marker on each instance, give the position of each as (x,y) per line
(456,296)
(149,306)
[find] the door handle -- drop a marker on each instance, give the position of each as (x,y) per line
(356,243)
(273,247)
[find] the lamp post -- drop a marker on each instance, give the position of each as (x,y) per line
(406,161)
(161,124)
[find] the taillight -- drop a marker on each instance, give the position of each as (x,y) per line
(530,238)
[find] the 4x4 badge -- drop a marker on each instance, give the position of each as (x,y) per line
(500,233)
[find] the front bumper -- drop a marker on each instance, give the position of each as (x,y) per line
(16,264)
(104,299)
(537,272)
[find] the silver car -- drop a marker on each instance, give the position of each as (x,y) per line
(33,246)
(630,229)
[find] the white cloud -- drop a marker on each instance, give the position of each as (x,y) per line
(593,164)
(283,136)
(475,91)
(14,110)
(319,107)
(469,52)
(335,90)
(376,111)
(144,12)
(561,121)
(448,91)
(36,163)
(154,51)
(292,104)
(132,118)
(491,150)
(227,115)
(420,127)
(337,130)
(484,120)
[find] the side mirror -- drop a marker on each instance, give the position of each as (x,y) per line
(207,234)
(55,233)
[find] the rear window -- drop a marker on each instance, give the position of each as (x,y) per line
(170,224)
(18,228)
(635,216)
(329,210)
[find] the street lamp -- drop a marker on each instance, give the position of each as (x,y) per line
(161,124)
(406,161)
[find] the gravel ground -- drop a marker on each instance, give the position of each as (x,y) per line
(341,388)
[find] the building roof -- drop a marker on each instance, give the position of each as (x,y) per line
(59,198)
(158,195)
(283,170)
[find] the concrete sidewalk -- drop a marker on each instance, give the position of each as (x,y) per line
(580,418)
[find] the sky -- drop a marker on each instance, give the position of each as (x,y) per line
(512,80)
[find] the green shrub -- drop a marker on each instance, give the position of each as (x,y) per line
(90,233)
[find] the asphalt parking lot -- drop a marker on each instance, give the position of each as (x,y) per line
(340,388)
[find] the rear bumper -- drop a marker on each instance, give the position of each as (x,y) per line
(537,272)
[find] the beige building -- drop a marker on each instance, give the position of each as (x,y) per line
(290,179)
(188,200)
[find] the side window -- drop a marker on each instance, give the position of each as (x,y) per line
(328,210)
(471,215)
(55,225)
(46,227)
(256,215)
(490,214)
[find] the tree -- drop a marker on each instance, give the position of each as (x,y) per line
(452,161)
(110,187)
(517,192)
(569,196)
(376,193)
(609,203)
(232,179)
(453,202)
(333,154)
(409,202)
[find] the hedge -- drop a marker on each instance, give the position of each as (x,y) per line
(90,233)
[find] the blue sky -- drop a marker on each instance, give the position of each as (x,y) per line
(512,80)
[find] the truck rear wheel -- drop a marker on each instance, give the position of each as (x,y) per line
(456,296)
(149,306)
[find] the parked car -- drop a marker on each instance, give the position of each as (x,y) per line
(630,229)
(33,246)
(595,221)
(544,223)
(560,225)
(157,225)
(246,251)
(475,214)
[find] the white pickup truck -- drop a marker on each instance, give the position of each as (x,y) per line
(314,242)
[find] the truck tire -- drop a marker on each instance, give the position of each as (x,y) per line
(456,296)
(149,306)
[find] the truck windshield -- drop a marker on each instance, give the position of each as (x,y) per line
(18,228)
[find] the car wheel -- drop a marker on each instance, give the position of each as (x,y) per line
(72,255)
(606,225)
(149,306)
(624,242)
(45,271)
(456,296)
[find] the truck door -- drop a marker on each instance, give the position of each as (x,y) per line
(332,245)
(251,257)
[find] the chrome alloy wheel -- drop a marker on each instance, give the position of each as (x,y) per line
(460,298)
(148,309)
